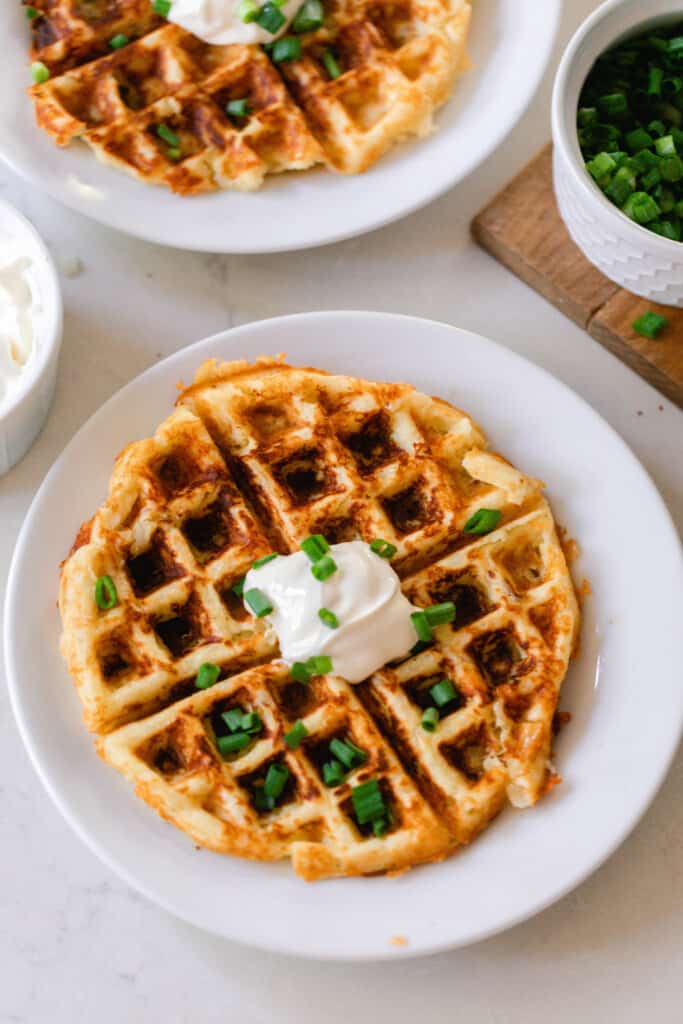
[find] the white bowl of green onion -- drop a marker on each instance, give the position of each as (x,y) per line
(618,145)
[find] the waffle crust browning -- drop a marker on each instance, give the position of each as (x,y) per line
(257,457)
(400,61)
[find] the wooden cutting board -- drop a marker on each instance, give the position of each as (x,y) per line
(522,228)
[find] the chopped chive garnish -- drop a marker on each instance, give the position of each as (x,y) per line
(239,108)
(309,17)
(383,548)
(238,588)
(162,7)
(299,672)
(270,18)
(417,648)
(438,614)
(118,41)
(442,693)
(106,596)
(331,64)
(31,13)
(251,722)
(165,133)
(641,208)
(329,618)
(483,521)
(233,719)
(233,744)
(650,324)
(380,827)
(248,11)
(261,801)
(614,104)
(315,547)
(258,602)
(348,753)
(287,48)
(333,773)
(324,568)
(368,802)
(263,561)
(430,719)
(422,627)
(276,780)
(39,72)
(319,665)
(174,153)
(296,734)
(207,675)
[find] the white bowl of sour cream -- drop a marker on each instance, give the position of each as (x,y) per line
(30,334)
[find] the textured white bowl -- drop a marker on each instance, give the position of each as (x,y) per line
(22,419)
(630,255)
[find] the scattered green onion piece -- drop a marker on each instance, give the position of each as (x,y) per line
(309,17)
(165,133)
(422,627)
(430,719)
(263,561)
(319,665)
(324,568)
(614,104)
(368,802)
(233,744)
(296,735)
(238,588)
(276,780)
(601,167)
(284,49)
(442,693)
(248,11)
(350,755)
(207,675)
(657,128)
(333,773)
(233,719)
(270,18)
(639,139)
(483,521)
(258,602)
(329,618)
(242,108)
(587,116)
(106,595)
(654,86)
(162,7)
(675,46)
(380,827)
(331,64)
(383,548)
(251,722)
(417,648)
(174,153)
(641,208)
(315,547)
(299,672)
(438,614)
(671,168)
(31,13)
(261,801)
(119,41)
(665,146)
(39,72)
(622,185)
(650,324)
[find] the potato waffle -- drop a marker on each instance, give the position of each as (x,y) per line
(256,458)
(400,60)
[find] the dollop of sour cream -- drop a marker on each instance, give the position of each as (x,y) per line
(218,21)
(18,309)
(364,594)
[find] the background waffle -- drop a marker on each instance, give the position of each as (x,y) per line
(400,60)
(256,458)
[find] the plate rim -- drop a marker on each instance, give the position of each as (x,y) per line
(136,229)
(84,830)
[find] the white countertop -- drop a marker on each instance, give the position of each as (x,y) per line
(76,944)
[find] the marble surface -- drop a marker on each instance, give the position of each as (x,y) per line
(76,944)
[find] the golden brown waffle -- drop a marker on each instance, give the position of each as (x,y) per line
(400,61)
(256,458)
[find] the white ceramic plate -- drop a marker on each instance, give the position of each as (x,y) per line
(510,47)
(627,672)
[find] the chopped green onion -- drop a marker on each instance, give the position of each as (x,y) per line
(309,17)
(422,627)
(315,547)
(329,618)
(430,719)
(242,108)
(368,802)
(276,780)
(270,18)
(248,11)
(641,208)
(622,185)
(442,693)
(106,596)
(296,734)
(162,7)
(207,675)
(654,85)
(665,146)
(650,324)
(299,672)
(31,13)
(233,719)
(330,63)
(639,139)
(319,665)
(601,167)
(251,722)
(348,753)
(263,561)
(258,602)
(324,568)
(261,801)
(483,521)
(39,72)
(614,104)
(333,773)
(439,614)
(119,41)
(165,133)
(381,826)
(671,168)
(383,548)
(174,153)
(233,744)
(417,648)
(238,588)
(287,48)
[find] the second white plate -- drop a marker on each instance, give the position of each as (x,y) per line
(628,667)
(510,47)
